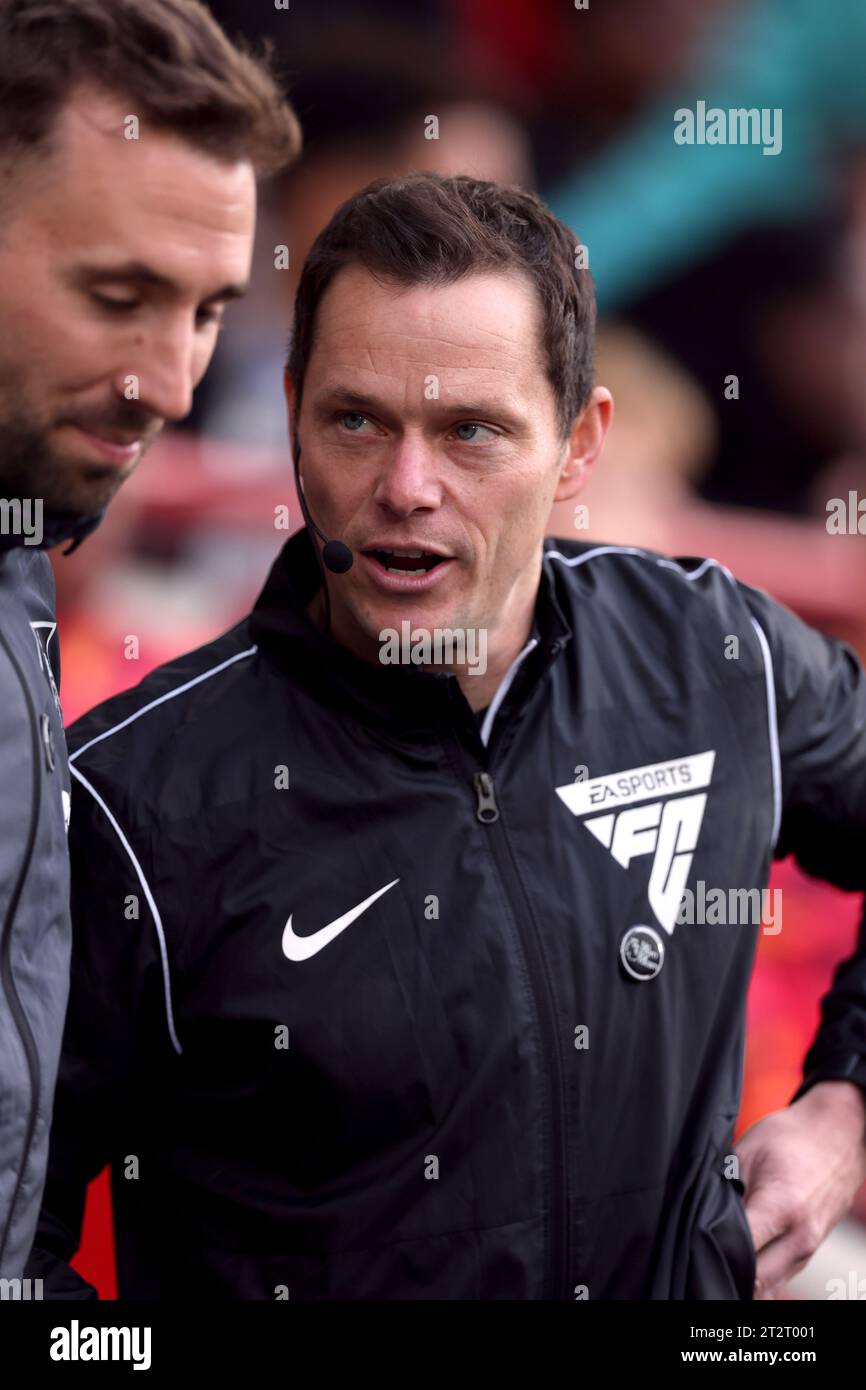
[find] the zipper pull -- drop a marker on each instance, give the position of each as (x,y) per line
(487,810)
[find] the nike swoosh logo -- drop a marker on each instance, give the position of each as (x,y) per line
(302,947)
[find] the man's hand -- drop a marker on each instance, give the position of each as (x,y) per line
(801,1168)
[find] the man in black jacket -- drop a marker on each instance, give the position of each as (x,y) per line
(130,138)
(381,986)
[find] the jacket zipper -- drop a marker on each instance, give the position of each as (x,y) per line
(16,1008)
(487,812)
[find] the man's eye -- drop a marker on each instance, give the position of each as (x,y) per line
(118,305)
(352,420)
(473,438)
(204,317)
(208,316)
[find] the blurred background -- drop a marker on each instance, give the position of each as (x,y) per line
(732,295)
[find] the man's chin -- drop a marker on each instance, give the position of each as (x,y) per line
(89,487)
(81,502)
(405,621)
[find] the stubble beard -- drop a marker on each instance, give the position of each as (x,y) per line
(29,468)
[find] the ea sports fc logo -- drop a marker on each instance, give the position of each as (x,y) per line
(657,809)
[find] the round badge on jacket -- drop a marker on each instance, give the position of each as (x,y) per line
(642,952)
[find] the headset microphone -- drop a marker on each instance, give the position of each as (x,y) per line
(336,554)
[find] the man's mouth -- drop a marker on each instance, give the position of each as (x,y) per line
(405,569)
(111,443)
(407,562)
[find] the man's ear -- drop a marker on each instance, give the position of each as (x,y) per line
(584,444)
(289,390)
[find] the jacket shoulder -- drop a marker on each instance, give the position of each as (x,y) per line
(127,738)
(646,582)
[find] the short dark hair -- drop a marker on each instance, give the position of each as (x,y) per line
(429,229)
(177,67)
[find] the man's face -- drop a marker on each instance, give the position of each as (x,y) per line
(117,257)
(428,423)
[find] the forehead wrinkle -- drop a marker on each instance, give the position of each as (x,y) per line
(466,382)
(339,372)
(389,361)
(424,340)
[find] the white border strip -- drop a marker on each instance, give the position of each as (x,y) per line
(773,723)
(150,902)
(502,690)
(161,699)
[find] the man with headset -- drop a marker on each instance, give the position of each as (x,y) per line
(371,998)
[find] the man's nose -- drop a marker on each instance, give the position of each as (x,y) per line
(163,372)
(409,480)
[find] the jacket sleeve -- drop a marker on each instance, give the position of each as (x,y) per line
(112,1032)
(819,690)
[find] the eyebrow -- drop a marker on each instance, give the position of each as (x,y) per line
(146,275)
(331,397)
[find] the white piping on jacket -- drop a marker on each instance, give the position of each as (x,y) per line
(161,699)
(502,690)
(773,729)
(151,901)
(145,887)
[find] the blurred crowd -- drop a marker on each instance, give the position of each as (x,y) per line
(732,294)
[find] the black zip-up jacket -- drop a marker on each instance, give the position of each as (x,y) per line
(372,999)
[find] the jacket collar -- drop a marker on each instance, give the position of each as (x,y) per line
(404,700)
(57,527)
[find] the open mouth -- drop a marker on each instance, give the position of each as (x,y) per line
(408,563)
